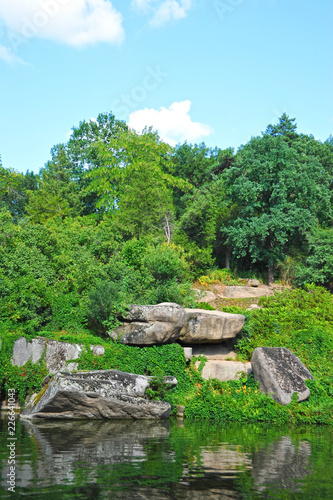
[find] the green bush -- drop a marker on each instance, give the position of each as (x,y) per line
(204,305)
(156,361)
(166,263)
(241,401)
(24,379)
(318,266)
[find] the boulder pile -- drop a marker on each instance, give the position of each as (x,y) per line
(168,322)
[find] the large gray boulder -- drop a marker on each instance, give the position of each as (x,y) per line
(98,394)
(280,373)
(202,326)
(150,325)
(58,355)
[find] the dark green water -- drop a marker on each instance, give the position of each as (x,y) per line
(147,460)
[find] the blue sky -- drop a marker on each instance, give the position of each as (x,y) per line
(217,71)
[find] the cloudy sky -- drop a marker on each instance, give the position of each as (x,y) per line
(214,71)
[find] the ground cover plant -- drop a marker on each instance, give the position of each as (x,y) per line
(299,319)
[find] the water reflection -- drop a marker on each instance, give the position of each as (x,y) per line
(281,465)
(65,446)
(148,460)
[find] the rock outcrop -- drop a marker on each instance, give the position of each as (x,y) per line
(150,325)
(210,326)
(99,394)
(280,373)
(225,370)
(253,282)
(57,354)
(244,292)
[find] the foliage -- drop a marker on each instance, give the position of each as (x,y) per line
(105,303)
(134,178)
(12,196)
(117,218)
(197,164)
(156,361)
(58,194)
(286,128)
(223,276)
(24,379)
(241,401)
(287,270)
(318,265)
(281,195)
(199,258)
(204,305)
(300,320)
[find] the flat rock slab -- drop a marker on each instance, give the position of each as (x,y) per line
(57,354)
(225,370)
(166,312)
(244,292)
(100,394)
(280,373)
(202,326)
(150,325)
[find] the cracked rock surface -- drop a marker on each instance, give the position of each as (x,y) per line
(150,325)
(280,373)
(99,394)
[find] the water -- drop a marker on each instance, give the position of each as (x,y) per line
(168,460)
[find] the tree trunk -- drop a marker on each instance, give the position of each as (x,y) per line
(270,274)
(227,259)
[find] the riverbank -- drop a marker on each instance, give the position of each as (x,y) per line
(300,320)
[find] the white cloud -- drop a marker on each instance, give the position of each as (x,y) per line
(163,11)
(142,4)
(173,124)
(74,22)
(7,55)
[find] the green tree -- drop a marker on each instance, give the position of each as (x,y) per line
(105,129)
(135,181)
(84,156)
(58,194)
(12,193)
(286,128)
(280,194)
(197,164)
(318,266)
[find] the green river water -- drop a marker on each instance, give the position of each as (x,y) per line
(167,460)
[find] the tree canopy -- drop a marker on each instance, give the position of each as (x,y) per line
(117,217)
(281,195)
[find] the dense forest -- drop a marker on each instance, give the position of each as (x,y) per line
(117,217)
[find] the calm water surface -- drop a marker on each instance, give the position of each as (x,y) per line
(168,460)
